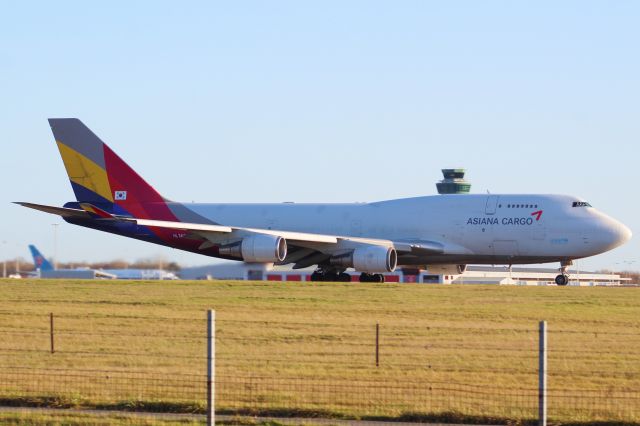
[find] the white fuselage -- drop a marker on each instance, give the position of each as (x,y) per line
(472,228)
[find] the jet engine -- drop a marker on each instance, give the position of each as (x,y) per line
(374,259)
(446,269)
(257,248)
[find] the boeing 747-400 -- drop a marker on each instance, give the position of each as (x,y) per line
(441,232)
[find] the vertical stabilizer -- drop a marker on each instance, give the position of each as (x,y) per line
(100,177)
(39,260)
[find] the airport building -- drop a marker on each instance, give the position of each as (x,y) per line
(472,275)
(453,182)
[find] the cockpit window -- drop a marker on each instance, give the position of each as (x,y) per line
(581,204)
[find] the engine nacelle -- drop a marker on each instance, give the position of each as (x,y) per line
(373,259)
(446,269)
(257,248)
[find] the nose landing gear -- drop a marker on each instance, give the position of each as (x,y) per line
(563,278)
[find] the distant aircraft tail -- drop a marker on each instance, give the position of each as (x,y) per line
(101,178)
(39,260)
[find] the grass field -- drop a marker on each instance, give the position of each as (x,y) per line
(470,350)
(25,418)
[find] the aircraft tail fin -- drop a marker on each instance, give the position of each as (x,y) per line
(100,177)
(39,260)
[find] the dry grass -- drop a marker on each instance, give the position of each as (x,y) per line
(438,336)
(26,417)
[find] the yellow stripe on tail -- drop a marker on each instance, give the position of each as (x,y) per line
(85,172)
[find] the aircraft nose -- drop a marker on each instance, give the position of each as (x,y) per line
(617,233)
(625,234)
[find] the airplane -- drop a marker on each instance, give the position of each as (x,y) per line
(443,233)
(43,265)
(44,268)
(40,263)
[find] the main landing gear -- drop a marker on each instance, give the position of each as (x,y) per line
(371,278)
(332,276)
(335,276)
(563,278)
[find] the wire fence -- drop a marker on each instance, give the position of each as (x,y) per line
(317,368)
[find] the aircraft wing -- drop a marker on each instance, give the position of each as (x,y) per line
(205,231)
(316,242)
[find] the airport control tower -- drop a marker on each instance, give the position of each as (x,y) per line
(453,182)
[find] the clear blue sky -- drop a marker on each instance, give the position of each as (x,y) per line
(327,101)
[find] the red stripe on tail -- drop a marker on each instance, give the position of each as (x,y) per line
(133,193)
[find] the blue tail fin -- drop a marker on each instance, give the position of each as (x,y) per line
(39,260)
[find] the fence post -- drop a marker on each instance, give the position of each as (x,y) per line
(377,344)
(51,330)
(211,366)
(542,375)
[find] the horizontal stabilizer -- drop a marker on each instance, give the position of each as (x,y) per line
(60,211)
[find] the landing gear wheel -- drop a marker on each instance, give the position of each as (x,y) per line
(366,278)
(371,278)
(317,276)
(344,277)
(562,279)
(331,277)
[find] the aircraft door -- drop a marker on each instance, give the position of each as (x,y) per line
(492,204)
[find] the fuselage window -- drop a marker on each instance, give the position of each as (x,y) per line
(581,204)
